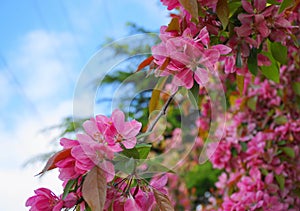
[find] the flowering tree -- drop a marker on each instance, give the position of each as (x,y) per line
(244,51)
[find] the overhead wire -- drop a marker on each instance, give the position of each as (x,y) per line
(18,86)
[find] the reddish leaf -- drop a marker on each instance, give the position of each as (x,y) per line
(61,155)
(165,64)
(145,63)
(174,25)
(162,201)
(94,189)
(191,6)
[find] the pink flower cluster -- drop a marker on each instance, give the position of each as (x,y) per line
(260,152)
(122,197)
(103,137)
(186,53)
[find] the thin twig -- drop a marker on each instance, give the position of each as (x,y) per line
(162,112)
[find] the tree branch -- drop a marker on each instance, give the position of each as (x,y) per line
(162,112)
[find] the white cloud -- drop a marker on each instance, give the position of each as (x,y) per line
(46,79)
(43,63)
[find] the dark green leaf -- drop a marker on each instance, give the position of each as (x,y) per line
(244,146)
(289,151)
(68,187)
(283,142)
(296,88)
(233,6)
(280,180)
(252,61)
(272,71)
(279,52)
(273,2)
(285,4)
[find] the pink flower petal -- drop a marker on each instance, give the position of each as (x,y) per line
(244,30)
(109,170)
(223,49)
(247,6)
(129,143)
(118,119)
(203,36)
(260,5)
(90,127)
(130,129)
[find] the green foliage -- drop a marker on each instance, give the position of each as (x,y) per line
(272,71)
(201,177)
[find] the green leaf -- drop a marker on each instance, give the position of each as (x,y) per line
(272,71)
(143,150)
(192,7)
(289,151)
(283,142)
(233,6)
(68,187)
(156,167)
(252,61)
(280,120)
(279,52)
(244,146)
(296,87)
(273,2)
(222,11)
(251,103)
(285,4)
(297,192)
(143,135)
(238,60)
(127,166)
(280,180)
(264,171)
(131,153)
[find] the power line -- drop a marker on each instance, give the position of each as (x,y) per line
(45,25)
(71,28)
(18,85)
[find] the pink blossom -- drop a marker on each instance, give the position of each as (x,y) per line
(188,57)
(44,200)
(90,153)
(122,132)
(67,167)
(172,4)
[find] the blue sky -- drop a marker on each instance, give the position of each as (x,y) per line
(43,47)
